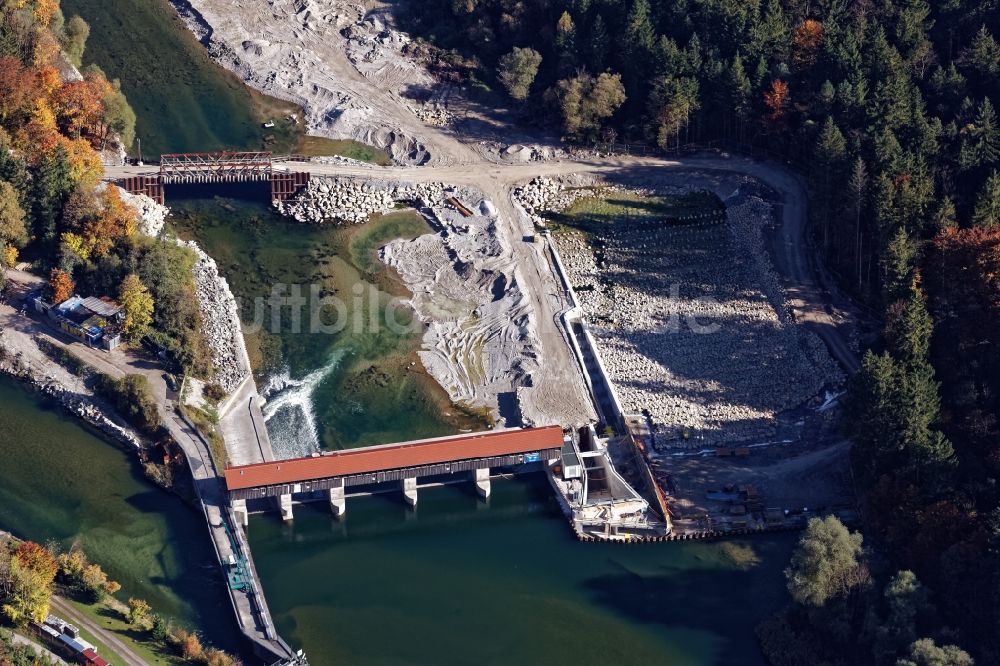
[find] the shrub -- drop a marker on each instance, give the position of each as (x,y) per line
(132,397)
(215,392)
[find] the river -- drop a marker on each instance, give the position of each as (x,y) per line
(455,581)
(359,386)
(182,101)
(59,481)
(504,581)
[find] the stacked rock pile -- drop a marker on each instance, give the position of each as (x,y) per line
(351,201)
(433,114)
(338,159)
(543,195)
(152,216)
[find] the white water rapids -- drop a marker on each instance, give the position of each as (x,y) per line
(290,413)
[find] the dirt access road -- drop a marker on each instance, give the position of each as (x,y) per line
(559,387)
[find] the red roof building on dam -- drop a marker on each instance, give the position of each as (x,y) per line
(374,459)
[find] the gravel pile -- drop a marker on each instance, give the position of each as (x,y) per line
(518,153)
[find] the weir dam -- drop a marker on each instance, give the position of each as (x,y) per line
(332,475)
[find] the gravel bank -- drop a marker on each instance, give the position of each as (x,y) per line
(325,56)
(480,343)
(22,358)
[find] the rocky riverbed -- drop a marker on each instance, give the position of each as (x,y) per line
(312,53)
(690,318)
(480,343)
(220,320)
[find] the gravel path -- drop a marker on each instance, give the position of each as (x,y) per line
(67,611)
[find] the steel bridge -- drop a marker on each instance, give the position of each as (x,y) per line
(221,167)
(217,167)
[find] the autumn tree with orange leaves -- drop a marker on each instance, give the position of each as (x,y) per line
(27,573)
(776,100)
(37,558)
(806,41)
(61,285)
(78,105)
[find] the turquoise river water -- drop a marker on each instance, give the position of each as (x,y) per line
(59,481)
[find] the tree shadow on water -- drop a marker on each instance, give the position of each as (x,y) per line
(727,604)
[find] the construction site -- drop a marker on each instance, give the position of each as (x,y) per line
(724,402)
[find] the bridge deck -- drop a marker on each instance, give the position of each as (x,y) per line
(495,445)
(221,167)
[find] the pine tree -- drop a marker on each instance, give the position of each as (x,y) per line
(639,35)
(857,185)
(987,212)
(981,140)
(50,189)
(944,215)
(983,55)
(827,93)
(831,147)
(914,340)
(671,103)
(597,49)
(829,155)
(566,44)
(919,408)
(739,93)
(897,266)
(890,105)
(912,23)
(870,413)
(769,36)
(638,41)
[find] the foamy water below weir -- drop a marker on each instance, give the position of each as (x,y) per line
(290,412)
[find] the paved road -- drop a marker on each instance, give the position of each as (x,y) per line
(67,611)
